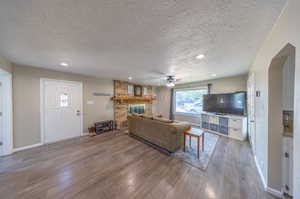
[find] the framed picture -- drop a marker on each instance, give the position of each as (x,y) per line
(130,89)
(138,90)
(145,91)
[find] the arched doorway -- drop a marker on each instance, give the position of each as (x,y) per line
(281,82)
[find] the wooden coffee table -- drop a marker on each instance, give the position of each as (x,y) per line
(197,133)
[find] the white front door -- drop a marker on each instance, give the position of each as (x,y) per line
(251,111)
(62,110)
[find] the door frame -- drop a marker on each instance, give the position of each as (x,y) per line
(251,79)
(42,104)
(7,113)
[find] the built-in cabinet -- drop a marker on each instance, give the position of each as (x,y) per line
(231,126)
(288,82)
(287,165)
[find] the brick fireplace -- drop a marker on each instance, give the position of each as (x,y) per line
(121,107)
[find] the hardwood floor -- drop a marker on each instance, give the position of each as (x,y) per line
(118,166)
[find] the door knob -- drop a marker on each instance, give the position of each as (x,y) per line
(78,112)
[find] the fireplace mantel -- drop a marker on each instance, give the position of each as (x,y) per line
(123,99)
(133,99)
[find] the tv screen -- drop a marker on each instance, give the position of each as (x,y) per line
(227,103)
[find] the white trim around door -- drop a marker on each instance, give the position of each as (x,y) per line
(42,104)
(7,113)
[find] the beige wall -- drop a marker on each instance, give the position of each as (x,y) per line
(26,99)
(286,30)
(155,102)
(5,65)
(163,95)
(223,85)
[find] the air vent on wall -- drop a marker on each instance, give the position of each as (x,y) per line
(102,94)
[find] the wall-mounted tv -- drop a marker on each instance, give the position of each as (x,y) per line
(226,103)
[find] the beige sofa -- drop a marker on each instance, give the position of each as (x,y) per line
(163,133)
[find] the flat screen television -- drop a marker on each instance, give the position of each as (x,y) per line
(226,103)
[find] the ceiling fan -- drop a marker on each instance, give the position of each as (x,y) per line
(171,79)
(161,79)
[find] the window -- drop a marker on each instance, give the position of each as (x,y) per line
(64,100)
(189,101)
(145,92)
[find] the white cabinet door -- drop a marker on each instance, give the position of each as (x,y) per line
(214,120)
(62,110)
(235,133)
(287,165)
(235,123)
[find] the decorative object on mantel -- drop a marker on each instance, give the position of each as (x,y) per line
(130,89)
(145,91)
(138,90)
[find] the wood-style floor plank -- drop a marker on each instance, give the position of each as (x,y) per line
(118,166)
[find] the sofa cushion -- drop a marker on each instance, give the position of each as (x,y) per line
(136,114)
(148,117)
(181,125)
(168,136)
(162,120)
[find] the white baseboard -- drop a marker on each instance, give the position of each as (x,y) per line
(260,173)
(27,147)
(85,134)
(274,192)
(40,144)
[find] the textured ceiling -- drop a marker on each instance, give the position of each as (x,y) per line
(139,38)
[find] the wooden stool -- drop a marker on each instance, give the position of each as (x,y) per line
(197,133)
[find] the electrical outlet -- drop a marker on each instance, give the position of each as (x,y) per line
(286,155)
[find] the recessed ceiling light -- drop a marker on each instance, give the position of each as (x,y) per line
(65,64)
(201,56)
(214,75)
(130,78)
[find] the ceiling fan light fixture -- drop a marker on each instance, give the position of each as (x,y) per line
(170,84)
